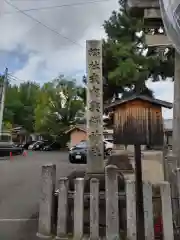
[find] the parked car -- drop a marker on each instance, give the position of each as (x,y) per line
(7,146)
(14,150)
(78,153)
(52,146)
(11,149)
(16,144)
(31,146)
(39,145)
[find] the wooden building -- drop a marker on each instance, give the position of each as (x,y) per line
(138,120)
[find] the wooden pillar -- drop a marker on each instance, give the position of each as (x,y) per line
(139,194)
(95,154)
(165,161)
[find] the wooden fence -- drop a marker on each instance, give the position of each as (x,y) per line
(46,212)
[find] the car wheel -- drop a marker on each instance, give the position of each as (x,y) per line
(70,159)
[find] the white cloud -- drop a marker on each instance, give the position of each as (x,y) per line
(56,53)
(31,68)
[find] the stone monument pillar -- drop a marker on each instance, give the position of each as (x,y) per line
(95,154)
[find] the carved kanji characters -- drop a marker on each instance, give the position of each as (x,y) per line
(95,120)
(95,65)
(95,52)
(94,106)
(94,78)
(95,91)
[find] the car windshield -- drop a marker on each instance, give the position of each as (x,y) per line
(81,145)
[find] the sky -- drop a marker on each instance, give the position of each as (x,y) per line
(32,51)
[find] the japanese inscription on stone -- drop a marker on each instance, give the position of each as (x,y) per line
(95,154)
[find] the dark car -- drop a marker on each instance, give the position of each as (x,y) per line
(16,150)
(52,146)
(78,153)
(39,145)
(11,149)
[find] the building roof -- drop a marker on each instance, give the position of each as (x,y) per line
(19,130)
(81,127)
(140,97)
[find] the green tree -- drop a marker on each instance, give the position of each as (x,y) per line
(127,61)
(58,106)
(20,104)
(126,66)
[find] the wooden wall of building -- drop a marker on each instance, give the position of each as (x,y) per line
(138,122)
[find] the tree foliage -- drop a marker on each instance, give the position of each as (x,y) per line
(127,61)
(49,109)
(20,104)
(59,105)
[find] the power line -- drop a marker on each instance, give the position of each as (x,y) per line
(14,78)
(59,6)
(45,26)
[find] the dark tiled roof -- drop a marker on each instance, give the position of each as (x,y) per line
(141,97)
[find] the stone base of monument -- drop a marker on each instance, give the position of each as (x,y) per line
(123,164)
(122,161)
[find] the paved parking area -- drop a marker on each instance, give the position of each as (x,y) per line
(20,188)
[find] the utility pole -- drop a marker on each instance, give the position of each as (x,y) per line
(3,98)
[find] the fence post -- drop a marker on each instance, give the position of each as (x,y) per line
(46,200)
(131,210)
(148,211)
(166,211)
(94,209)
(78,208)
(112,208)
(62,208)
